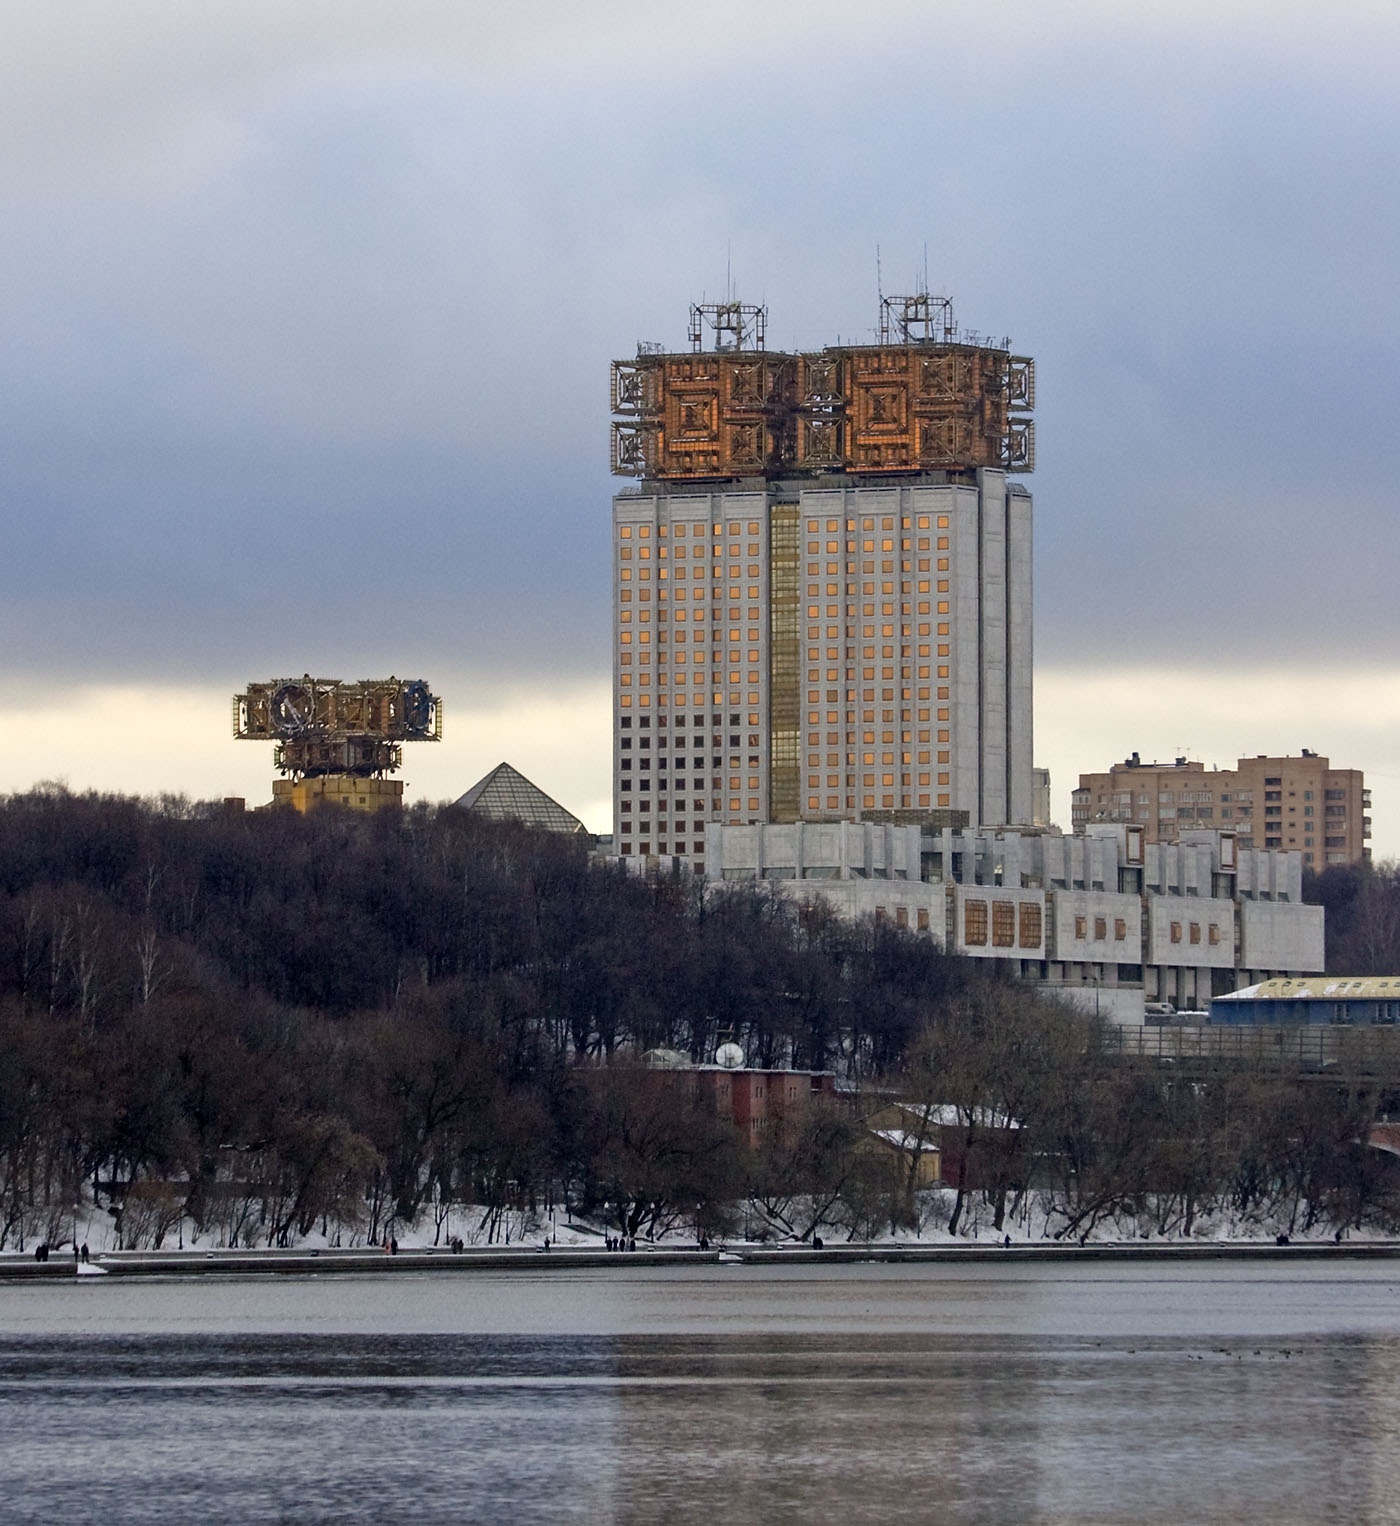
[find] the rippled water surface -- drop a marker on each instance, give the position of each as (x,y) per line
(995,1394)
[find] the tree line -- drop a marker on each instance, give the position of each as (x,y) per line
(249,1026)
(1362,902)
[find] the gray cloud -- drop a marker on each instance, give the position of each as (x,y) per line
(309,306)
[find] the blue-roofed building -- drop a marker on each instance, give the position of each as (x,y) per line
(1361,1001)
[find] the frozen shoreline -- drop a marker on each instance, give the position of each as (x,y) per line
(323,1262)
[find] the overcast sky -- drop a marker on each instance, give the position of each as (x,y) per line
(308,307)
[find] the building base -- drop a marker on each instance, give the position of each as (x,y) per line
(345,790)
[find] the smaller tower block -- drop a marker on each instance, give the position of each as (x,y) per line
(337,742)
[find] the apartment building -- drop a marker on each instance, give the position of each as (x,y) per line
(1299,804)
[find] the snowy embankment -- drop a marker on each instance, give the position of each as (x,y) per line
(1037,1224)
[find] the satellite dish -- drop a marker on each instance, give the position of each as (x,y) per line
(730,1056)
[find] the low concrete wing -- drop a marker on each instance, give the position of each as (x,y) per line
(995,922)
(912,904)
(1191,930)
(1096,925)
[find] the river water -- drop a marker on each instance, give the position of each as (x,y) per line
(1003,1393)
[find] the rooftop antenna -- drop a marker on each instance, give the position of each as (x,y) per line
(735,325)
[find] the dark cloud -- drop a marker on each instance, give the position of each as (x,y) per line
(310,352)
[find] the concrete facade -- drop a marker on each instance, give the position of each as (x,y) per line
(819,649)
(1102,917)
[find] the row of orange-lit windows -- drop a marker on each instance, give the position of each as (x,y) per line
(723,652)
(864,669)
(905,629)
(718,570)
(679,595)
(732,697)
(733,532)
(716,553)
(854,654)
(854,567)
(906,693)
(866,653)
(887,607)
(888,759)
(887,802)
(737,615)
(644,660)
(887,742)
(731,529)
(867,523)
(859,577)
(867,716)
(865,555)
(708,674)
(865,527)
(720,657)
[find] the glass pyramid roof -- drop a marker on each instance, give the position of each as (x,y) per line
(507,795)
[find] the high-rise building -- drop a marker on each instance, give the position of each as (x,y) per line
(822,583)
(1300,803)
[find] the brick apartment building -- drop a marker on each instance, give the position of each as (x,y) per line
(1301,804)
(753,1099)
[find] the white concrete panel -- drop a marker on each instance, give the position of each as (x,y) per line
(1277,935)
(1097,926)
(993,664)
(960,504)
(1180,930)
(1020,659)
(898,902)
(1114,1004)
(984,900)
